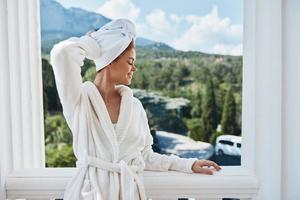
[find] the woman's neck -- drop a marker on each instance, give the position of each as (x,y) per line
(105,85)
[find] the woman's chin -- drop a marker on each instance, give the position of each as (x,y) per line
(126,82)
(129,82)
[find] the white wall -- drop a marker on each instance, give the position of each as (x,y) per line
(291,101)
(21,109)
(268,97)
(5,98)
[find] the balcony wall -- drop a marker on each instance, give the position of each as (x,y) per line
(230,182)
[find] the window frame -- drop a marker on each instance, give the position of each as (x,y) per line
(23,116)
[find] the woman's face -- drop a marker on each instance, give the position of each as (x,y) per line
(123,68)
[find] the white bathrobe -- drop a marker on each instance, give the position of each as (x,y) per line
(110,161)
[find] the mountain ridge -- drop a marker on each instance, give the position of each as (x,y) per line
(59,23)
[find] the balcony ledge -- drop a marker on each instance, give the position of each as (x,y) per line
(230,182)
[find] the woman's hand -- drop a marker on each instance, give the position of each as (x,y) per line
(203,167)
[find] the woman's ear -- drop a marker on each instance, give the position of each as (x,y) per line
(112,63)
(109,66)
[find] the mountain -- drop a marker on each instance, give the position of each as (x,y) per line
(145,43)
(58,23)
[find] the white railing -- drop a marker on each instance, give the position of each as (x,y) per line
(230,182)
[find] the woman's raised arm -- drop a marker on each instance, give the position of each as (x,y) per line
(66,58)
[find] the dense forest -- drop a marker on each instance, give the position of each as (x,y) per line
(210,84)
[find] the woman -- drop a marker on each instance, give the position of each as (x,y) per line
(111,136)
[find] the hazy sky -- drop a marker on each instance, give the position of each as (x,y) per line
(212,26)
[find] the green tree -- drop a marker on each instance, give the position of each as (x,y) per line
(229,124)
(60,155)
(90,74)
(87,64)
(140,80)
(45,105)
(194,129)
(57,130)
(197,104)
(221,91)
(49,87)
(58,140)
(213,137)
(209,119)
(179,74)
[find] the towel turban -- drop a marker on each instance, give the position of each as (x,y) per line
(113,38)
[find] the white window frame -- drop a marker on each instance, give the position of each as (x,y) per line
(23,174)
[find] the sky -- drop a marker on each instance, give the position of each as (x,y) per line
(210,26)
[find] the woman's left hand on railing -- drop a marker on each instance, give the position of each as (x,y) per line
(203,167)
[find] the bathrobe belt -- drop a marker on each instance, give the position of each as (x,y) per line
(128,175)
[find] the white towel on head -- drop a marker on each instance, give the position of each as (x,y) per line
(113,38)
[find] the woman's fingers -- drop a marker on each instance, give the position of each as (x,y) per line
(210,163)
(205,171)
(215,165)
